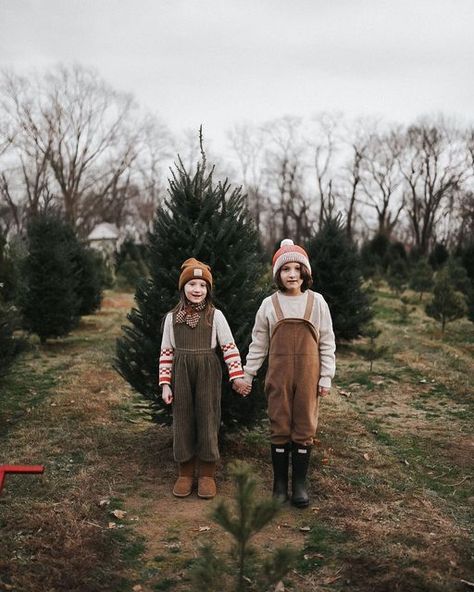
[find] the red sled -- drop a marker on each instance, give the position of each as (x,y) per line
(5,469)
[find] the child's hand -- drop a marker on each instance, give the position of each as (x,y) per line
(167,394)
(323,391)
(242,387)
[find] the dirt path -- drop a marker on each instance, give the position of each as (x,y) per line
(391,478)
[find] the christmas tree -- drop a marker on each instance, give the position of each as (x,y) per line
(209,221)
(447,304)
(421,279)
(49,302)
(242,520)
(336,274)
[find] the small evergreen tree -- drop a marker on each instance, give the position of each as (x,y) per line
(9,345)
(87,265)
(373,255)
(405,309)
(447,304)
(336,273)
(372,351)
(8,271)
(397,275)
(421,277)
(49,301)
(212,572)
(208,221)
(438,256)
(458,275)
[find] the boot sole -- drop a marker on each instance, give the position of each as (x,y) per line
(182,494)
(300,504)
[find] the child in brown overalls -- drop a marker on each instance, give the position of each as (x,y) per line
(190,374)
(294,327)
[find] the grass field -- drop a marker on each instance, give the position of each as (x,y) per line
(391,479)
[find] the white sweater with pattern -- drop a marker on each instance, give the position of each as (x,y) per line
(221,334)
(293,307)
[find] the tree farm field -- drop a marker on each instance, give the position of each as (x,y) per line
(391,478)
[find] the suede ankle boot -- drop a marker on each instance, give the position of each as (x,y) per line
(184,482)
(206,482)
(280,461)
(300,462)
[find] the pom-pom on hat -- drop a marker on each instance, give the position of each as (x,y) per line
(194,269)
(287,252)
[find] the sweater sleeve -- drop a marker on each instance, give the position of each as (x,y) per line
(229,349)
(166,352)
(327,346)
(258,348)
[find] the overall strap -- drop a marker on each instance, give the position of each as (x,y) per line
(277,307)
(309,306)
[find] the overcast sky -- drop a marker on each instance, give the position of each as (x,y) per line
(220,62)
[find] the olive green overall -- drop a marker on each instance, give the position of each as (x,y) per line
(291,384)
(196,385)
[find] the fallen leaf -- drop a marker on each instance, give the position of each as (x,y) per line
(137,588)
(366,456)
(280,587)
(305,528)
(104,502)
(120,514)
(325,461)
(112,525)
(204,528)
(345,393)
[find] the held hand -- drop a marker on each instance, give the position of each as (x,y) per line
(167,394)
(323,391)
(242,387)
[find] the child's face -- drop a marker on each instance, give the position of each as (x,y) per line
(195,290)
(290,275)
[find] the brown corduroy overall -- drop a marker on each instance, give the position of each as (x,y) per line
(196,385)
(291,384)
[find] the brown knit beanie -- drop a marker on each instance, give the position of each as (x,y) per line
(194,269)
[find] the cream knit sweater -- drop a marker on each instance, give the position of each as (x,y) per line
(293,307)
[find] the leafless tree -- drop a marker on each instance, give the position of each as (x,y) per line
(74,125)
(323,144)
(248,143)
(434,167)
(285,171)
(382,179)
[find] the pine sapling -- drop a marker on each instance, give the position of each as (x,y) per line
(405,310)
(372,351)
(242,521)
(447,304)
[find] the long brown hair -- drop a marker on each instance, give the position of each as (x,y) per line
(208,310)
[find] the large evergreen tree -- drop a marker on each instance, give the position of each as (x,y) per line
(49,302)
(207,220)
(336,273)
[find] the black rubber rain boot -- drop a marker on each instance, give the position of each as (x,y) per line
(300,462)
(280,461)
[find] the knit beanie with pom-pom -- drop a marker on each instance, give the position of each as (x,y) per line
(289,252)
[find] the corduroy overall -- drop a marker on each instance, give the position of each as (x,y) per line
(196,385)
(291,384)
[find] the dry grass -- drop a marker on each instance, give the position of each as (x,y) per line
(391,479)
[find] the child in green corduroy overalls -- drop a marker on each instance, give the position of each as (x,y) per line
(190,374)
(294,328)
